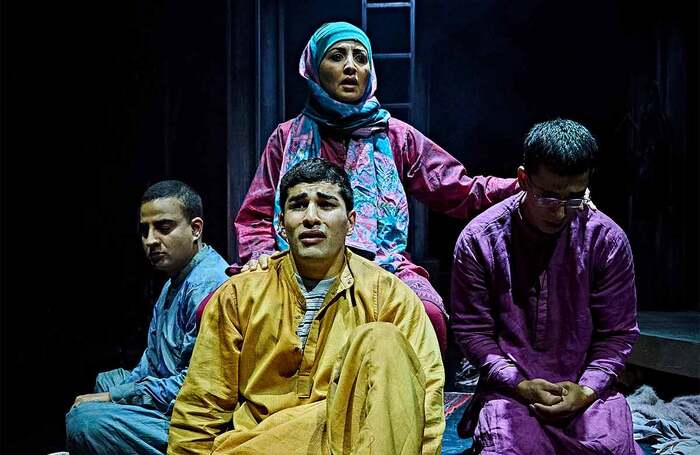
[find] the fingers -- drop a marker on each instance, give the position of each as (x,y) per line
(540,411)
(548,399)
(548,393)
(555,389)
(261,263)
(77,401)
(250,265)
(567,386)
(553,412)
(535,408)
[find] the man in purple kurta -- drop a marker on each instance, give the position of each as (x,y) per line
(543,301)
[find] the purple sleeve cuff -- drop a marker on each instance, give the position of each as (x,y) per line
(596,380)
(503,372)
(510,377)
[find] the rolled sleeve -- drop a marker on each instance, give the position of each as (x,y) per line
(123,393)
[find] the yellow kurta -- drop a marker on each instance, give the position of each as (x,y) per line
(248,363)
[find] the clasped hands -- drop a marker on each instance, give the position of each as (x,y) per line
(551,402)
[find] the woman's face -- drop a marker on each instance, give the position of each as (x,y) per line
(344,71)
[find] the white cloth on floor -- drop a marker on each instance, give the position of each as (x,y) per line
(674,427)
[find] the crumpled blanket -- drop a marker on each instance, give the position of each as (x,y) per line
(673,427)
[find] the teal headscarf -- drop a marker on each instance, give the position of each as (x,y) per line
(329,34)
(320,106)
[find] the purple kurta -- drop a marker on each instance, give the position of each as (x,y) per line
(562,307)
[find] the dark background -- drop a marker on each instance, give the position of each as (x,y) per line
(99,100)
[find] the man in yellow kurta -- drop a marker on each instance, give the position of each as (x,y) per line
(322,352)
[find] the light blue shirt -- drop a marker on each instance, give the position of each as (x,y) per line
(156,380)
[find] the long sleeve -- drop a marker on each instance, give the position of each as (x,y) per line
(410,318)
(142,388)
(128,392)
(142,368)
(437,179)
(254,229)
(613,306)
(472,320)
(206,402)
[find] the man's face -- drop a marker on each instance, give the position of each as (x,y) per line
(344,71)
(546,184)
(316,222)
(168,239)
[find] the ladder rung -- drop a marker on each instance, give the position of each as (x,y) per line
(397,105)
(391,55)
(389,5)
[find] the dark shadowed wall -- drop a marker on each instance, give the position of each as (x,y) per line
(105,99)
(625,70)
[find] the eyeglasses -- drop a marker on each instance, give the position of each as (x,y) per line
(552,203)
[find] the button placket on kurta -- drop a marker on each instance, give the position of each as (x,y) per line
(304,382)
(541,312)
(304,379)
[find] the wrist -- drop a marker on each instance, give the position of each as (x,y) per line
(522,389)
(588,393)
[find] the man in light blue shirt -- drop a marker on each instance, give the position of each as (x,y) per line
(130,410)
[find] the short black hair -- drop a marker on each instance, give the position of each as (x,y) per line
(563,146)
(315,170)
(190,200)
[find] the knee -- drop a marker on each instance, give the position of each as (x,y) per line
(506,426)
(378,332)
(384,341)
(439,323)
(381,347)
(382,338)
(434,313)
(86,421)
(504,417)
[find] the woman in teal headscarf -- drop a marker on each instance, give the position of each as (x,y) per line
(385,158)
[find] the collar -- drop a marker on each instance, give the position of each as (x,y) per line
(194,262)
(288,271)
